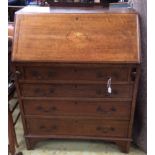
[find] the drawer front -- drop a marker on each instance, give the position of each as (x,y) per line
(104,109)
(119,73)
(77,127)
(73,90)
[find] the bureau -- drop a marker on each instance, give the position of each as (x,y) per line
(77,73)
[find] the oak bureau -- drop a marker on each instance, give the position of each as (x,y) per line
(77,73)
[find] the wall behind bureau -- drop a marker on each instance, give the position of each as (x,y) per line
(140,124)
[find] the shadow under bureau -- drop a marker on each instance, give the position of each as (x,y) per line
(77,73)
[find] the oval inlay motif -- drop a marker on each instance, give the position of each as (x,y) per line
(79,39)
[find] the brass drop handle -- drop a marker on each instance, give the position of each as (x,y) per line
(105,129)
(100,110)
(109,87)
(51,73)
(54,127)
(51,109)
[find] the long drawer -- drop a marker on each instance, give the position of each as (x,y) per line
(117,73)
(104,109)
(75,90)
(77,127)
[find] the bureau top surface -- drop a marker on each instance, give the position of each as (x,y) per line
(76,35)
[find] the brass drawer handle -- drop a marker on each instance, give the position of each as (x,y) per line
(39,108)
(51,73)
(54,127)
(100,110)
(35,73)
(109,87)
(105,129)
(37,90)
(51,109)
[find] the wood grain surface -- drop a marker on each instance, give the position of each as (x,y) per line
(85,127)
(66,61)
(77,37)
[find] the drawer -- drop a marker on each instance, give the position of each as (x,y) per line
(106,109)
(75,90)
(120,73)
(77,127)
